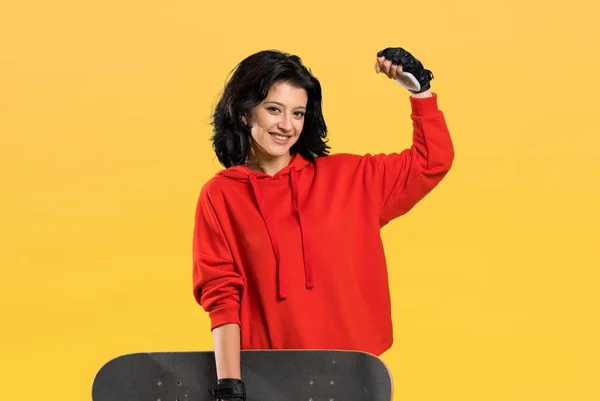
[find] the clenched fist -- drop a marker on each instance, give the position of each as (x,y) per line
(399,64)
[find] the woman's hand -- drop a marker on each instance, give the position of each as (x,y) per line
(398,64)
(385,66)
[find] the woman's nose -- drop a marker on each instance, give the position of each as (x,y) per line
(285,123)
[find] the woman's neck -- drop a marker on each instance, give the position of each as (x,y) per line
(270,165)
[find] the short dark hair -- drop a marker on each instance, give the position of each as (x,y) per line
(249,85)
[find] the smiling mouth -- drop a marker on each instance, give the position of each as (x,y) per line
(280,137)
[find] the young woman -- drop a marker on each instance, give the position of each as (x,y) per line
(287,250)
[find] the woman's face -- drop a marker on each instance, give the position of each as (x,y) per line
(276,123)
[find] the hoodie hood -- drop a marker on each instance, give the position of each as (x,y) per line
(292,173)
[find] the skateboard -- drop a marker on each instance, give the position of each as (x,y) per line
(269,375)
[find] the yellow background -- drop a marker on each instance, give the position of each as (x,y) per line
(104,112)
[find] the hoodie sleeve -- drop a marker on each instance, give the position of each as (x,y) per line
(404,178)
(216,282)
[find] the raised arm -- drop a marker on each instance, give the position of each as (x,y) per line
(403,178)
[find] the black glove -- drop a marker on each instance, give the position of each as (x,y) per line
(228,389)
(412,68)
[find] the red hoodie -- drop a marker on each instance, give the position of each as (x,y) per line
(296,259)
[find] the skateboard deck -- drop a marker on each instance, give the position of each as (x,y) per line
(269,375)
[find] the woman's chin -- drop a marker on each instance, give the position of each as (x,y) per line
(277,151)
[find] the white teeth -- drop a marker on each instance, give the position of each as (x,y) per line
(280,137)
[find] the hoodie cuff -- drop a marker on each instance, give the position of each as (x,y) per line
(424,106)
(224,315)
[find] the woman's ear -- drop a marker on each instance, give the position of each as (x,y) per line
(247,118)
